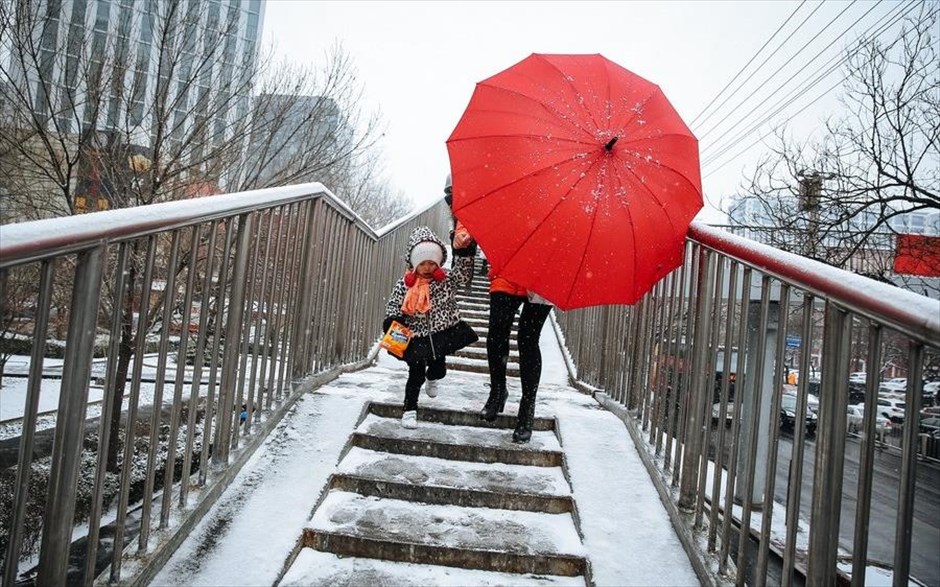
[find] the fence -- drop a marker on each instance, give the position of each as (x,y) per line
(245,299)
(700,367)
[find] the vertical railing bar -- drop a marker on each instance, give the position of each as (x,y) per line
(319,291)
(28,434)
(774,437)
(292,341)
(199,358)
(130,425)
(221,293)
(70,421)
(827,481)
(708,388)
(246,337)
(744,533)
(867,458)
(905,520)
(741,380)
(169,303)
(233,325)
(694,426)
(169,468)
(284,327)
(280,284)
(107,411)
(255,394)
(723,408)
(795,477)
(661,362)
(304,319)
(672,421)
(270,303)
(682,386)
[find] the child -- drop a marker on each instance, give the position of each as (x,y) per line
(425,301)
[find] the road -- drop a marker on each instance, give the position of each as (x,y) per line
(925,542)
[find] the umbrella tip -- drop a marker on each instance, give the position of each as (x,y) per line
(610,144)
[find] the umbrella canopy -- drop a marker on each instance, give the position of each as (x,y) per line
(577,178)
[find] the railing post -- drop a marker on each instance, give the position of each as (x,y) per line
(695,420)
(70,424)
(233,326)
(300,363)
(757,394)
(830,449)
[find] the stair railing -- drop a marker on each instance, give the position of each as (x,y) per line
(722,355)
(200,322)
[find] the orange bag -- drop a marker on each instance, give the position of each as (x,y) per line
(396,339)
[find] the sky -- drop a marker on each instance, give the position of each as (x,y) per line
(419,62)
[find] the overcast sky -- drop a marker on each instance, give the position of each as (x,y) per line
(419,62)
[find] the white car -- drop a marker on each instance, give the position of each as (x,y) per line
(858,377)
(892,409)
(856,415)
(896,384)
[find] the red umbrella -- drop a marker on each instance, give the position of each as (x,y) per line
(577,178)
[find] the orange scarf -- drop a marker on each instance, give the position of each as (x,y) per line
(417,298)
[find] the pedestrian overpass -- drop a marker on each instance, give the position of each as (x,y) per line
(196,331)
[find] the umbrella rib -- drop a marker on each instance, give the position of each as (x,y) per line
(545,106)
(658,137)
(653,194)
(574,89)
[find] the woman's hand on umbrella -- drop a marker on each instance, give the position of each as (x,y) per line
(462,239)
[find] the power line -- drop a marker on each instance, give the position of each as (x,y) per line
(833,63)
(751,60)
(788,61)
(764,62)
(777,109)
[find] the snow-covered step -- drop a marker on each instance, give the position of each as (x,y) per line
(312,567)
(474,365)
(509,541)
(473,443)
(441,481)
(479,352)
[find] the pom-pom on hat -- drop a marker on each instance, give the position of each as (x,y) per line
(427,251)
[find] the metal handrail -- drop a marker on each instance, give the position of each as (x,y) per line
(666,367)
(915,315)
(294,282)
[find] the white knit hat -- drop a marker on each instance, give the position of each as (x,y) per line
(426,251)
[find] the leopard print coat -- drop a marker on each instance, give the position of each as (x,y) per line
(444,313)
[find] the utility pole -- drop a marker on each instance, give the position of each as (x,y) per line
(809,193)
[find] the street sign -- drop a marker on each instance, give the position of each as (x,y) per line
(793,341)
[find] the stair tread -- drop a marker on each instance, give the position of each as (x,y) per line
(377,426)
(447,526)
(431,471)
(313,567)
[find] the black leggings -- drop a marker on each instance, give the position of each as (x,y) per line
(418,372)
(502,312)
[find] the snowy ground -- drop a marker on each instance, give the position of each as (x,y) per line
(627,534)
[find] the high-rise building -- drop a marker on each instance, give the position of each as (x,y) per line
(115,65)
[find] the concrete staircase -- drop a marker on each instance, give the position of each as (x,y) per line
(452,502)
(474,304)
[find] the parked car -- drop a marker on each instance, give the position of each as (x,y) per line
(930,425)
(896,384)
(788,415)
(930,411)
(856,416)
(930,391)
(858,377)
(892,409)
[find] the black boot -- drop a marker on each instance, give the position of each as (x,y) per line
(494,404)
(523,431)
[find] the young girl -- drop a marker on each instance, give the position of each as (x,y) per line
(425,300)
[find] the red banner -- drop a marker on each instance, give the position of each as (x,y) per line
(917,255)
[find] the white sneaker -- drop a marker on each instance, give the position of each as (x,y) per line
(409,419)
(431,388)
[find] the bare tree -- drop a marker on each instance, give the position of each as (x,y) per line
(834,199)
(88,129)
